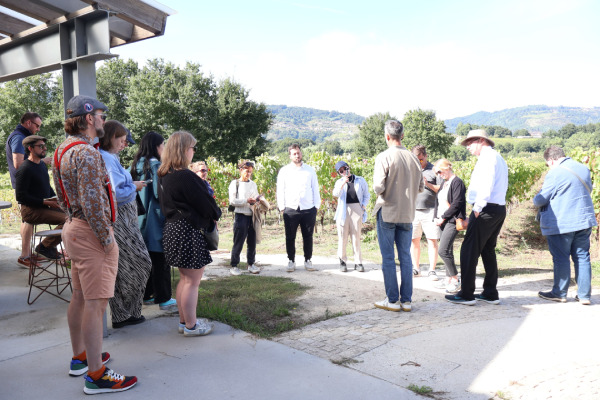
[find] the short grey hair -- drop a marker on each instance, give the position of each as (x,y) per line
(395,129)
(554,153)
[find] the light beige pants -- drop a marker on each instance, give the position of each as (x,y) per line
(352,227)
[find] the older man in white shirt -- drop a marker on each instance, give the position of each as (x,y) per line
(299,199)
(487,193)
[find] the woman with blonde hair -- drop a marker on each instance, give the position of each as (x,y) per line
(450,205)
(189,210)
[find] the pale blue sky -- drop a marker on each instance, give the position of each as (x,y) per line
(453,57)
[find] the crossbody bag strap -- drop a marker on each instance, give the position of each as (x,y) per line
(578,177)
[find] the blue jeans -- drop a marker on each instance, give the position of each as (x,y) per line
(577,246)
(389,234)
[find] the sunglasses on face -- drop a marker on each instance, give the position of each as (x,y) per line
(102,116)
(343,169)
(203,170)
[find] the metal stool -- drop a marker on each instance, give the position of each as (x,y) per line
(45,274)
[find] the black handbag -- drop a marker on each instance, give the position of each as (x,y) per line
(212,238)
(140,206)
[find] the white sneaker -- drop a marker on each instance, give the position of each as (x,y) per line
(308,266)
(433,276)
(453,287)
(204,321)
(386,305)
(406,306)
(253,269)
(201,329)
(291,266)
(235,271)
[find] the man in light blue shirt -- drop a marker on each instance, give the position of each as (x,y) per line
(299,199)
(487,193)
(566,219)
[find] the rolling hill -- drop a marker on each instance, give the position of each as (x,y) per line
(537,118)
(321,125)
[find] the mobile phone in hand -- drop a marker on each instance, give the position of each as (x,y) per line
(149,181)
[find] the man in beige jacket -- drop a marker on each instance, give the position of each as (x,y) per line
(397,179)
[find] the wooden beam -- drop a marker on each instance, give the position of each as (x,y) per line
(33,9)
(10,26)
(137,12)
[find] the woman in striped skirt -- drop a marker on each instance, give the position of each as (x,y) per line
(134,260)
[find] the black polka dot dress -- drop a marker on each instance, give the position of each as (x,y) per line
(185,246)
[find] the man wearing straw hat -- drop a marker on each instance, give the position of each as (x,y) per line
(487,194)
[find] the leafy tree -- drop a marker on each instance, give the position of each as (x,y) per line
(39,93)
(422,127)
(332,148)
(504,148)
(241,125)
(463,129)
(583,140)
(371,139)
(521,132)
(166,98)
(458,153)
(112,88)
(497,131)
(567,131)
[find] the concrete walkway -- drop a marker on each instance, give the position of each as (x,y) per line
(524,348)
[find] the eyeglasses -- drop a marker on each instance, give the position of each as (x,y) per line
(36,124)
(102,116)
(343,169)
(41,146)
(203,171)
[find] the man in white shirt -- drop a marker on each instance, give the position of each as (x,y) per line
(487,193)
(298,197)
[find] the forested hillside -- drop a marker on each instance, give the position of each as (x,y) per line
(310,123)
(537,118)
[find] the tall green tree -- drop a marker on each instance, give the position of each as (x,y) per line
(241,125)
(112,87)
(39,93)
(371,139)
(422,127)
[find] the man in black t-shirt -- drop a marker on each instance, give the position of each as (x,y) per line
(36,196)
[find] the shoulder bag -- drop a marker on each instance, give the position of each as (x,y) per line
(231,207)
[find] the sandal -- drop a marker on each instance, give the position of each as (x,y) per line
(416,272)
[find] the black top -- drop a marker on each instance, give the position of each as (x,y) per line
(351,196)
(458,203)
(183,194)
(427,198)
(32,184)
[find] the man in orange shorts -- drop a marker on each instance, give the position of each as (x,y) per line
(85,195)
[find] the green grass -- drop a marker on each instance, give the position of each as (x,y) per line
(595,274)
(259,305)
(422,390)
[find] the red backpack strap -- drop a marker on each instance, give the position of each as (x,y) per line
(57,161)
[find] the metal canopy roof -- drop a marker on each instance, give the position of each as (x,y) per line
(129,21)
(38,36)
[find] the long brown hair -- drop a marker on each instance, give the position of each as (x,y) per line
(173,156)
(112,129)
